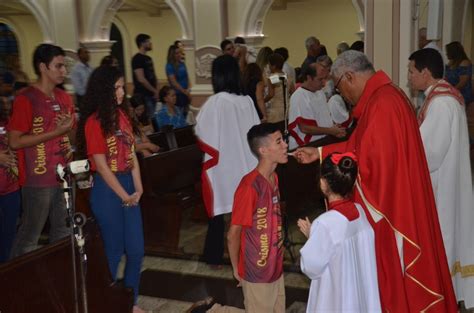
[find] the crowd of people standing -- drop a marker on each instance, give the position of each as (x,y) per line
(400,183)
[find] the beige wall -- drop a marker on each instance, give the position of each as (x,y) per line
(468,39)
(383,36)
(331,21)
(423,18)
(164,30)
(236,9)
(29,35)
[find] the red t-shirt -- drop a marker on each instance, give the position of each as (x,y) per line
(257,209)
(8,175)
(34,113)
(118,148)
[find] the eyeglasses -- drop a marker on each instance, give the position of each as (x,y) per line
(338,82)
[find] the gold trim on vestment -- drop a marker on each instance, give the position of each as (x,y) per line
(465,271)
(370,206)
(320,149)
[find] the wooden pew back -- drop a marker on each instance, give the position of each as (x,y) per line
(42,280)
(174,138)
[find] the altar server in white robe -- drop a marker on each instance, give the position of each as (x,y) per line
(339,255)
(309,117)
(222,126)
(443,127)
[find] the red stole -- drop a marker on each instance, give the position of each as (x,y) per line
(346,207)
(441,88)
(394,181)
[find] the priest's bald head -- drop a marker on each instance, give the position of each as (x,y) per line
(350,72)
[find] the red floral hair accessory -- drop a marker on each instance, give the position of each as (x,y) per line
(337,157)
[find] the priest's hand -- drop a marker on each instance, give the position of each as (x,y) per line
(338,131)
(306,154)
(305,226)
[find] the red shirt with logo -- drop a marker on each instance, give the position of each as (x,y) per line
(34,113)
(118,148)
(257,209)
(8,175)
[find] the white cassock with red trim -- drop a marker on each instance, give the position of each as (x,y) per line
(310,108)
(222,126)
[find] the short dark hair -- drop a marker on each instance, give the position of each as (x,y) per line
(163,93)
(108,60)
(224,43)
(177,42)
(298,78)
(252,73)
(276,60)
(323,50)
(226,75)
(357,45)
(455,52)
(239,40)
(45,53)
(307,70)
(257,134)
(283,52)
(341,176)
(136,100)
(430,59)
(141,38)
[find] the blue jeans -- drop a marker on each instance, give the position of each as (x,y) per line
(10,205)
(39,203)
(182,101)
(121,228)
(150,105)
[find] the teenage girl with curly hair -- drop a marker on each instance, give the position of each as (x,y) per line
(106,136)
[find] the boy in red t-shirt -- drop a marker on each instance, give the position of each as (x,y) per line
(42,120)
(255,235)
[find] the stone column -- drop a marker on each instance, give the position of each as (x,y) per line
(98,50)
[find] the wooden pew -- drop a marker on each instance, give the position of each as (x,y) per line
(42,281)
(170,139)
(169,178)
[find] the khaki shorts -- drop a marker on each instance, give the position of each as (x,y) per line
(264,297)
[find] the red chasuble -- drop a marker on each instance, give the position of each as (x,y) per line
(394,181)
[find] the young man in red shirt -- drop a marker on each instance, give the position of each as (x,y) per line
(42,118)
(255,235)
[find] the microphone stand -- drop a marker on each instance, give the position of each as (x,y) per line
(288,243)
(284,84)
(76,238)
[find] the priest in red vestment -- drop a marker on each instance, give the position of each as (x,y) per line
(394,188)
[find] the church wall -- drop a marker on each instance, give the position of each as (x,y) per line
(383,36)
(331,21)
(468,39)
(236,9)
(164,30)
(423,14)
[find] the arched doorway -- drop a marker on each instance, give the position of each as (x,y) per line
(8,46)
(117,48)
